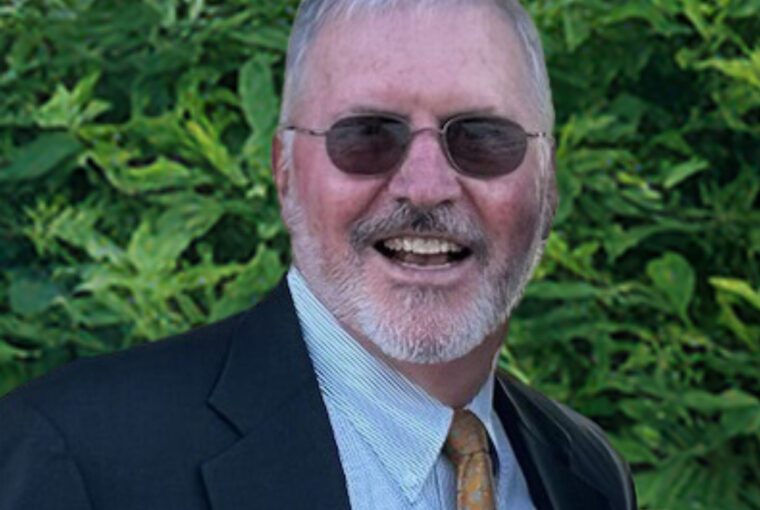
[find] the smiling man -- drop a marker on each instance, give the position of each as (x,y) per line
(416,199)
(414,165)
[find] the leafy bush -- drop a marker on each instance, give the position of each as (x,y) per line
(646,312)
(136,202)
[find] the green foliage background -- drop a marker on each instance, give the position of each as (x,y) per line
(136,202)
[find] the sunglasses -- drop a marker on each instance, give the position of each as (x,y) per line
(476,146)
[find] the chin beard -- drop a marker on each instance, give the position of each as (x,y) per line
(424,326)
(428,326)
(410,324)
(416,325)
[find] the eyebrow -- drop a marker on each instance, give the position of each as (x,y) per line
(360,109)
(487,111)
(371,110)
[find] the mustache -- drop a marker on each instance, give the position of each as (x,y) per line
(444,220)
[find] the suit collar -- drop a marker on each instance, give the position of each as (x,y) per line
(268,393)
(545,451)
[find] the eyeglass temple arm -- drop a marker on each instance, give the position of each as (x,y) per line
(305,131)
(542,134)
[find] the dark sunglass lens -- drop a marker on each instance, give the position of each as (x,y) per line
(367,145)
(486,147)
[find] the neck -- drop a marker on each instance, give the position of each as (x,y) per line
(454,383)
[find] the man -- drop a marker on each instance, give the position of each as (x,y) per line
(414,168)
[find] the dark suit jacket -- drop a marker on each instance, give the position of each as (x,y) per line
(230,417)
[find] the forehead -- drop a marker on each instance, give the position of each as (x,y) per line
(442,61)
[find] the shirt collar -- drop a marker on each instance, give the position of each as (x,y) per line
(402,424)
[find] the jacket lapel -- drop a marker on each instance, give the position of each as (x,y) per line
(544,451)
(286,456)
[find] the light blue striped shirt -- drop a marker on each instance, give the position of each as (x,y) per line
(389,432)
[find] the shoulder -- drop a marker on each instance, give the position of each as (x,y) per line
(135,422)
(140,394)
(188,359)
(574,437)
(34,454)
(581,432)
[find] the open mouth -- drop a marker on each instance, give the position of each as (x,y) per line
(422,251)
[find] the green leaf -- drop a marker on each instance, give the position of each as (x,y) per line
(258,277)
(68,109)
(695,10)
(645,10)
(156,245)
(257,94)
(216,153)
(745,69)
(259,103)
(90,311)
(618,241)
(9,354)
(738,288)
(568,188)
(729,318)
(159,175)
(31,294)
(633,450)
(76,227)
(675,175)
(561,290)
(673,140)
(271,38)
(674,277)
(40,157)
(709,403)
(577,30)
(741,420)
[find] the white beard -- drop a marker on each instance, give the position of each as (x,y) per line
(412,324)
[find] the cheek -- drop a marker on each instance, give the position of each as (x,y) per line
(511,211)
(331,200)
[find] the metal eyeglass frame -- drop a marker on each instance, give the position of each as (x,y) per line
(441,132)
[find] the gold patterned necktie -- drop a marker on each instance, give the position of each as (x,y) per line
(467,447)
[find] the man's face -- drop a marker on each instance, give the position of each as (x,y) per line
(359,240)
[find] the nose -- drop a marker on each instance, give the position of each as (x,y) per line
(425,177)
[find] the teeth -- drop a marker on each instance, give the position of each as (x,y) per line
(422,245)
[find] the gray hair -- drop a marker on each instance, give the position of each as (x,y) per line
(313,15)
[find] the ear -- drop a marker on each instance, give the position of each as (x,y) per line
(551,197)
(279,173)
